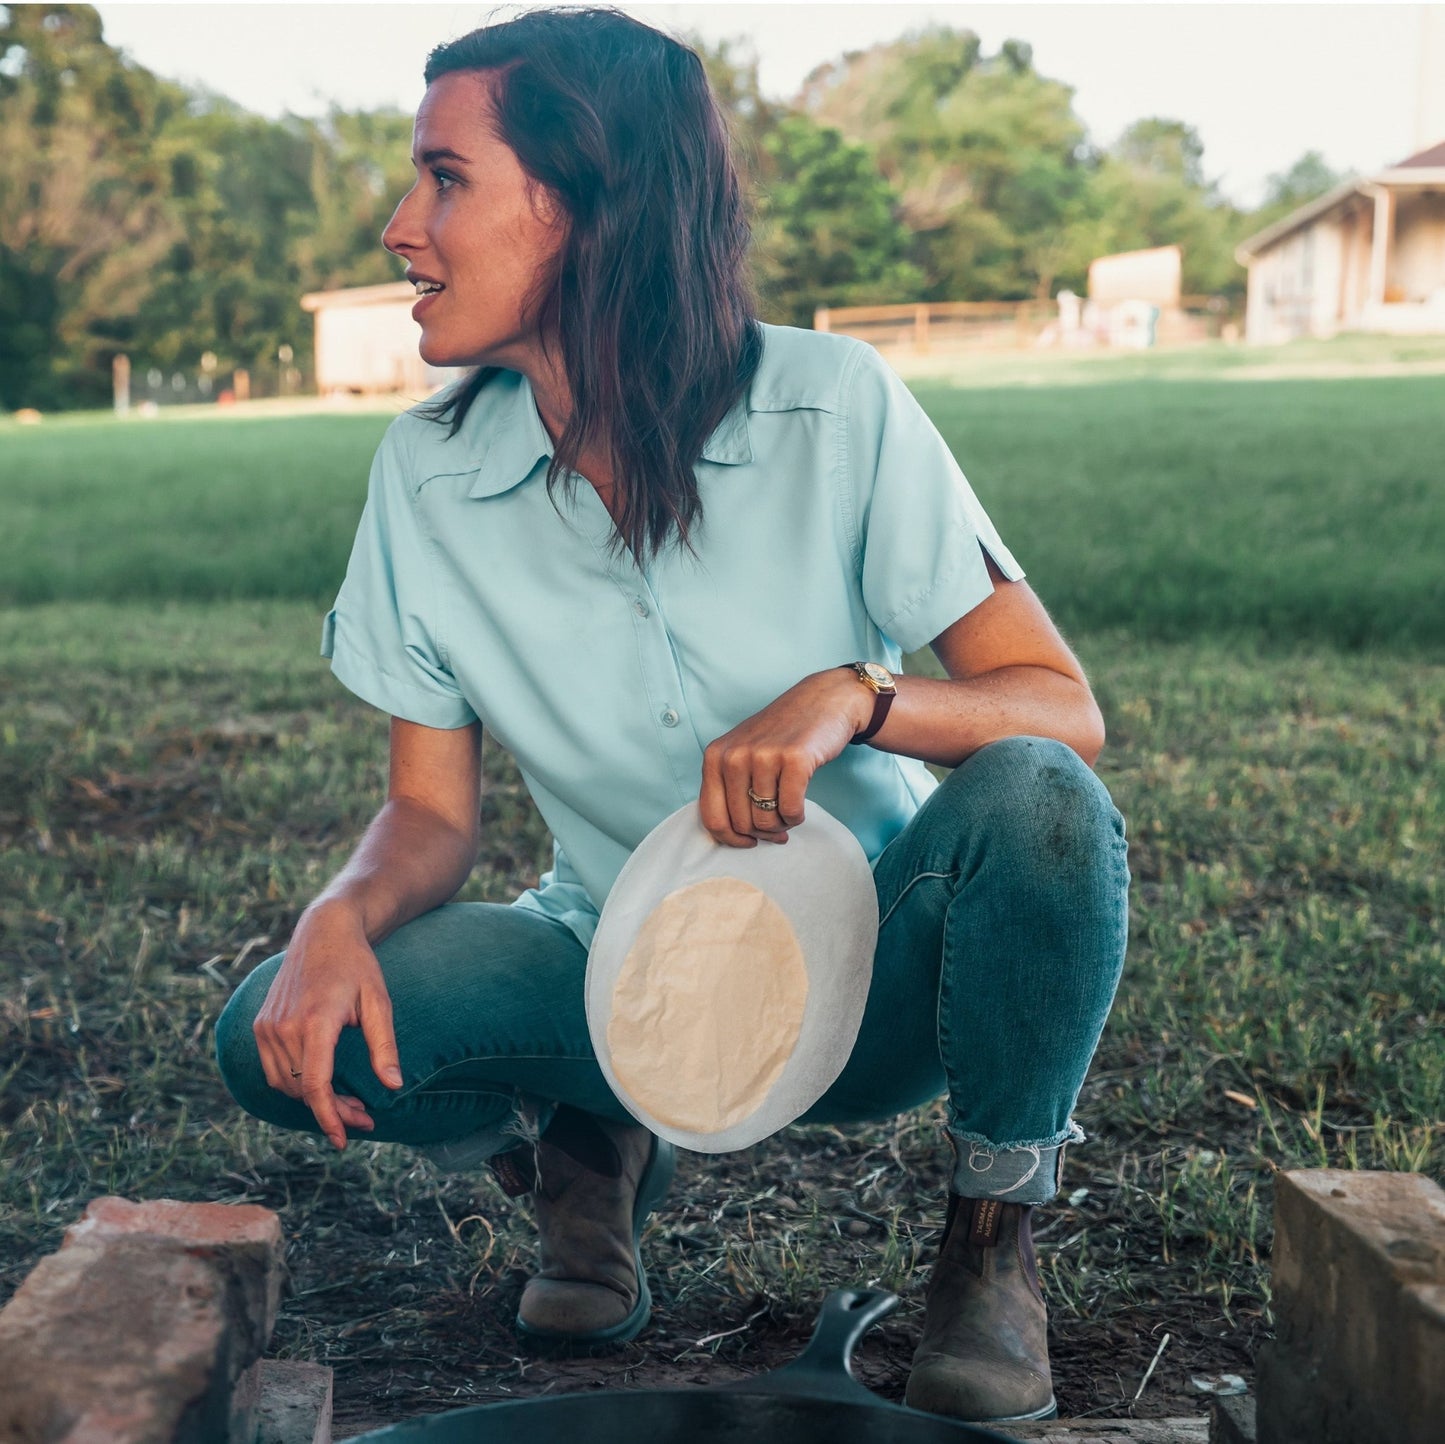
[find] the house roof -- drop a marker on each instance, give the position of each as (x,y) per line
(386,294)
(1432,157)
(1424,168)
(1262,240)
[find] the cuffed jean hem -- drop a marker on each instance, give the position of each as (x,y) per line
(1014,1172)
(529,1120)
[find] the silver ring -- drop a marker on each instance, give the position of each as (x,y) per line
(768,804)
(295,1072)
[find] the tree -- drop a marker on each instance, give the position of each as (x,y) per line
(1136,209)
(240,196)
(359,169)
(1285,191)
(83,215)
(138,216)
(827,230)
(826,227)
(1163,147)
(986,155)
(1149,189)
(732,73)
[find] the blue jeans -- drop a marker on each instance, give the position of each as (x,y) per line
(1003,916)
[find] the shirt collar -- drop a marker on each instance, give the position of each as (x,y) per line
(519,441)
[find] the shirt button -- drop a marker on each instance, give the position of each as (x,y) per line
(668,717)
(640,607)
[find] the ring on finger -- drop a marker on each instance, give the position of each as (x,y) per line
(767,804)
(295,1072)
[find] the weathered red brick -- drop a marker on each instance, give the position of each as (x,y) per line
(139,1329)
(122,1341)
(241,1240)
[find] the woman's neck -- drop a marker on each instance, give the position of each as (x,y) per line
(554,406)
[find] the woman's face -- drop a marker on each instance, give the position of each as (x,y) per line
(468,225)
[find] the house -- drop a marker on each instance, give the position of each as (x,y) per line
(1366,256)
(366,342)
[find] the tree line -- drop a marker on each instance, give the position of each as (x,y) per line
(138,215)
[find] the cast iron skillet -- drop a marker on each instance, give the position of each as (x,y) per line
(813,1400)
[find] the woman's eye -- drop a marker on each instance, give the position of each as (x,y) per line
(442,176)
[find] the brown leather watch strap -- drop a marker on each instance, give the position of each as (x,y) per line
(882,701)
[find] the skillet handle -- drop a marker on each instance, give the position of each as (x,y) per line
(822,1370)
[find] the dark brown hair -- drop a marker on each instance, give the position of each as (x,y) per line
(650,296)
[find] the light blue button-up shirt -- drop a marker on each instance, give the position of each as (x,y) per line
(836,526)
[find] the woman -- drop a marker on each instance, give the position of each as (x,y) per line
(732,518)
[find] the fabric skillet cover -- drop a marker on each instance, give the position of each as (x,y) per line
(725,986)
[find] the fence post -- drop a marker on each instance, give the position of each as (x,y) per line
(821,319)
(241,384)
(920,327)
(120,383)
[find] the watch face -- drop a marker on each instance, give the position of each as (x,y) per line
(881,675)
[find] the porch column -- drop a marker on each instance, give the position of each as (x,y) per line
(1380,244)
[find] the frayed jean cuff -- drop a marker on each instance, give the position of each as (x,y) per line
(1028,1172)
(530,1117)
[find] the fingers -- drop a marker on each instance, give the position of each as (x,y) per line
(724,805)
(740,765)
(712,801)
(759,778)
(276,1059)
(278,1067)
(791,791)
(376,1028)
(352,1112)
(326,983)
(316,1064)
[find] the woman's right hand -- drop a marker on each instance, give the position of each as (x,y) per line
(330,980)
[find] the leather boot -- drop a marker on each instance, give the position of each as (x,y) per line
(984,1355)
(593,1183)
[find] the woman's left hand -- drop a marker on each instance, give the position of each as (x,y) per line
(776,752)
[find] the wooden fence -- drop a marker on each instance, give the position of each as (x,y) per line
(1001,325)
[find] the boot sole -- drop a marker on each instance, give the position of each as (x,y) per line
(1049,1411)
(651,1190)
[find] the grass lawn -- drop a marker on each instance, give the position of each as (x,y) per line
(177,777)
(1294,509)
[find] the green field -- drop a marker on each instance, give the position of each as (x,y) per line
(1290,509)
(177,777)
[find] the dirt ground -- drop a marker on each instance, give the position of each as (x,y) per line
(740,1258)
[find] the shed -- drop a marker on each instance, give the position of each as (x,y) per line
(1153,276)
(1366,256)
(366,341)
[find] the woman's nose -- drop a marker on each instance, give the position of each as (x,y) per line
(401,233)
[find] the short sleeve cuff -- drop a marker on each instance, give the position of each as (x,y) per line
(915,625)
(359,674)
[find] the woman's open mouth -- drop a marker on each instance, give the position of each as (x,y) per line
(427,292)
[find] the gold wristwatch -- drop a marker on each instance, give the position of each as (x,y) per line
(879,680)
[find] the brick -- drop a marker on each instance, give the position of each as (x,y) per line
(1231,1421)
(240,1240)
(1359,1299)
(122,1342)
(142,1328)
(245,1406)
(295,1405)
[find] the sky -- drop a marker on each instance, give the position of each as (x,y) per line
(1262,84)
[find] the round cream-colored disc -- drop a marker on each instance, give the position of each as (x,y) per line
(725,986)
(708,1006)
